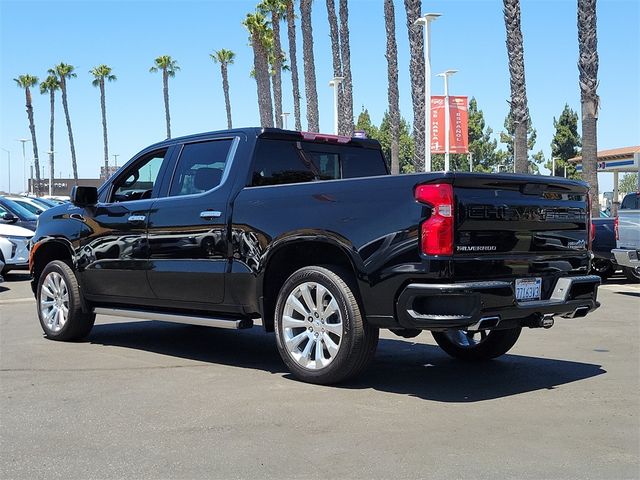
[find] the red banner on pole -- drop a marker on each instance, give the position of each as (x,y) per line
(458,124)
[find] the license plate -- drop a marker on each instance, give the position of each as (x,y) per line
(528,289)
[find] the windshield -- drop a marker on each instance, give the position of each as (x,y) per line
(44,202)
(36,210)
(18,210)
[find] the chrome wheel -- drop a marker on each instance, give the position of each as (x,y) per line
(54,302)
(467,338)
(312,325)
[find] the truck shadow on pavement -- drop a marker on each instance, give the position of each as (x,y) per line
(401,366)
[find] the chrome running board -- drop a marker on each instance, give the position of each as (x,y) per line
(231,323)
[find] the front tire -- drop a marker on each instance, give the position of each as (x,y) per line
(320,330)
(477,346)
(60,304)
(632,274)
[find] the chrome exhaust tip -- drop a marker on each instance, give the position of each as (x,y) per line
(547,321)
(485,323)
(578,312)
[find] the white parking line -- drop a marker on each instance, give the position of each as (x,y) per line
(17,300)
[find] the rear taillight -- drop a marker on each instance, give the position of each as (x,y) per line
(437,231)
(616,227)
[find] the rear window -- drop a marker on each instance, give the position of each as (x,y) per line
(631,202)
(280,162)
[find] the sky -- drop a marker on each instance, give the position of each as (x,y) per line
(128,35)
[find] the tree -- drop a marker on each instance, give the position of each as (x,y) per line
(405,143)
(277,9)
(628,183)
(291,33)
(347,83)
(393,94)
(519,110)
(334,33)
(565,143)
(486,156)
(365,124)
(260,38)
(26,82)
(416,71)
(102,73)
(588,68)
(225,58)
(509,136)
(63,72)
(50,85)
(313,116)
(168,66)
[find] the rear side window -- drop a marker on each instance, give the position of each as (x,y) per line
(631,202)
(278,162)
(200,167)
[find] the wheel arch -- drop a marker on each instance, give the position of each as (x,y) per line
(289,255)
(46,251)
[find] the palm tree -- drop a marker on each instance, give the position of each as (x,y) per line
(64,71)
(347,85)
(50,85)
(260,38)
(27,82)
(392,91)
(169,67)
(588,68)
(313,117)
(334,33)
(291,33)
(519,111)
(225,58)
(100,74)
(416,71)
(277,9)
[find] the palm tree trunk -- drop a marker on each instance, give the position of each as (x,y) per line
(277,66)
(313,117)
(165,91)
(65,107)
(32,129)
(416,71)
(291,32)
(588,68)
(225,88)
(519,115)
(261,68)
(52,101)
(103,109)
(392,92)
(337,62)
(347,84)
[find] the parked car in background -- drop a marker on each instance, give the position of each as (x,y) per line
(14,247)
(45,202)
(627,228)
(603,263)
(29,203)
(15,214)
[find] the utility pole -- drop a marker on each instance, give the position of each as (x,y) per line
(115,159)
(24,163)
(284,116)
(447,120)
(335,83)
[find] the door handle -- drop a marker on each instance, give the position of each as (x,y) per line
(209,214)
(136,218)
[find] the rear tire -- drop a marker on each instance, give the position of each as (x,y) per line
(632,274)
(603,268)
(59,304)
(321,334)
(461,344)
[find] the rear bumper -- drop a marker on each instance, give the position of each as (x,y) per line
(460,305)
(626,257)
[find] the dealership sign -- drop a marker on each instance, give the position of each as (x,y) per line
(458,124)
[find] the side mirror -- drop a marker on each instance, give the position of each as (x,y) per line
(9,217)
(84,196)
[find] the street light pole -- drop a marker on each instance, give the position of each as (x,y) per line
(426,20)
(335,83)
(24,163)
(447,121)
(115,159)
(284,116)
(8,168)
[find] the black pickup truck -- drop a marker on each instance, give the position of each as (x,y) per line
(310,234)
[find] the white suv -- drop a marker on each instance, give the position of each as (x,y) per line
(14,247)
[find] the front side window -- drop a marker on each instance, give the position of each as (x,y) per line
(139,181)
(200,167)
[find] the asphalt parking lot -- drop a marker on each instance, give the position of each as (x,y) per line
(155,400)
